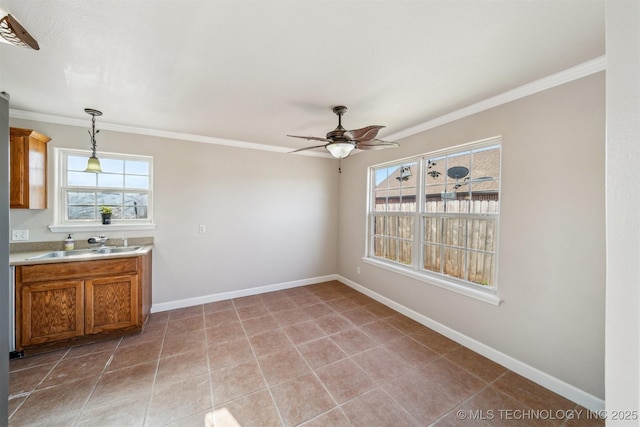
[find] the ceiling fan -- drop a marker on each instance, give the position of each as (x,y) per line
(340,141)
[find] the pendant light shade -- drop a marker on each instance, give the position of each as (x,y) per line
(340,150)
(93,165)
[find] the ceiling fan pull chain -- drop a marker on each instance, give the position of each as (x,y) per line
(340,165)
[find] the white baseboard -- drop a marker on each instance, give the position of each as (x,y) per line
(556,385)
(188,302)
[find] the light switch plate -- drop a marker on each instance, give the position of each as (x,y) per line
(19,235)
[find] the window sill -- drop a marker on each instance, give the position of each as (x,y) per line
(484,296)
(67,228)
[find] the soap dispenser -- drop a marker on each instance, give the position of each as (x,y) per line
(69,243)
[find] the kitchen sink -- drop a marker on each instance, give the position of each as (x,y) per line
(87,253)
(121,250)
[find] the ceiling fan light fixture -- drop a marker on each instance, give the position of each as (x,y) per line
(340,150)
(14,33)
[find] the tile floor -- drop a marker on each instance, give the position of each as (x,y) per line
(319,355)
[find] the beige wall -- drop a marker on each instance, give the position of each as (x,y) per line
(551,268)
(271,218)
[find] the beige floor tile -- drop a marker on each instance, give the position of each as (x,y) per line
(333,418)
(269,342)
(236,381)
(353,341)
(435,341)
(345,380)
(380,331)
(303,332)
(135,380)
(411,351)
(530,393)
(212,307)
(301,399)
(182,313)
(68,370)
(216,319)
(377,409)
(381,364)
(260,324)
(128,412)
(54,403)
(227,332)
(256,409)
(229,353)
(430,391)
(282,365)
(333,323)
(175,400)
(321,352)
(478,365)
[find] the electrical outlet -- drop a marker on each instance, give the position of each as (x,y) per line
(19,235)
(358,270)
(202,229)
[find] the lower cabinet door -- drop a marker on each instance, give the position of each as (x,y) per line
(51,311)
(111,303)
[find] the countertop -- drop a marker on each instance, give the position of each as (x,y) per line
(23,258)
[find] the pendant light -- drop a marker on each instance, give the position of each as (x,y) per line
(93,165)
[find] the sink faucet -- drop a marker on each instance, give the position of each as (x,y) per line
(102,239)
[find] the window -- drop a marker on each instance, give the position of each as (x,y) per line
(437,214)
(124,185)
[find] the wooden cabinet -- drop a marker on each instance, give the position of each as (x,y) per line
(62,303)
(111,303)
(28,170)
(52,311)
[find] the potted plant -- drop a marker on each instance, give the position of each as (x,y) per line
(106,213)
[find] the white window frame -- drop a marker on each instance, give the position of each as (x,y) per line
(62,224)
(416,270)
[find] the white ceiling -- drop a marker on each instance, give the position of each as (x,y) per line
(255,71)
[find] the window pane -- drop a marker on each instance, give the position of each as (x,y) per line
(482,234)
(77,163)
(481,268)
(136,181)
(112,165)
(395,188)
(432,258)
(110,180)
(136,167)
(455,232)
(135,212)
(406,228)
(81,179)
(109,198)
(454,264)
(81,212)
(433,230)
(87,198)
(406,249)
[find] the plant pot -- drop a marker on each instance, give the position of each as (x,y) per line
(106,218)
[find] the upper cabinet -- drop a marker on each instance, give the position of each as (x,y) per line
(28,179)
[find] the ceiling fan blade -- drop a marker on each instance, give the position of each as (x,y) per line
(376,144)
(307,148)
(365,134)
(311,138)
